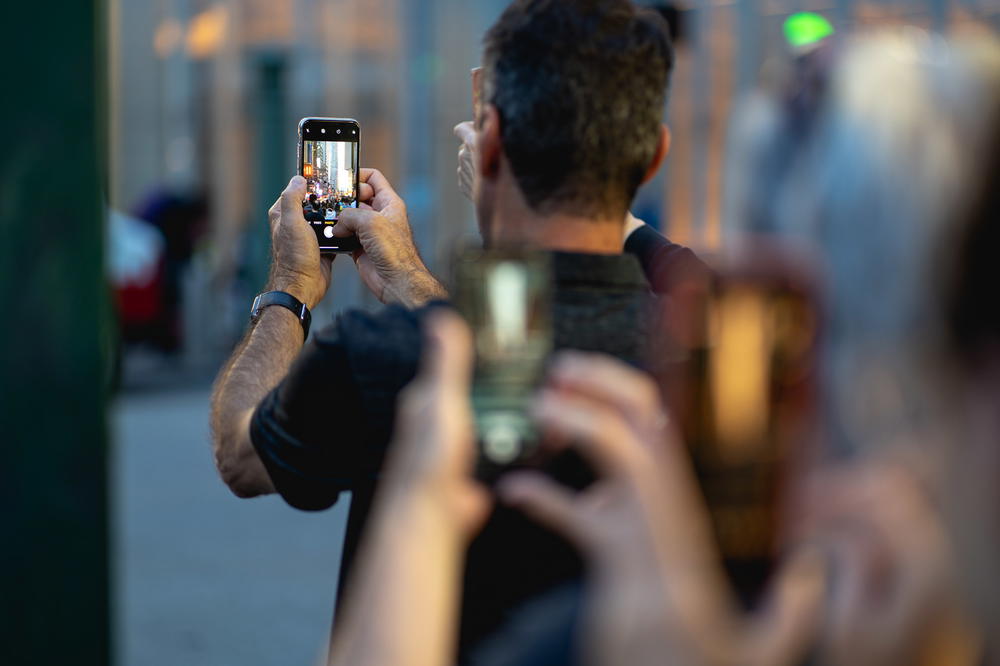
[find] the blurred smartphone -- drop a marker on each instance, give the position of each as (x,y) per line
(744,400)
(505,297)
(328,159)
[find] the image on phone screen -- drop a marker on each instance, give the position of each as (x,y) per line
(330,167)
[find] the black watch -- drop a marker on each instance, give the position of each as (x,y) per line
(286,301)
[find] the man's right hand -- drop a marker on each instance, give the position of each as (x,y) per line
(388,261)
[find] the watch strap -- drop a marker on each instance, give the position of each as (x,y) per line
(285,300)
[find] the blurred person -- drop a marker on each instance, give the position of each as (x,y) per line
(181,219)
(878,178)
(560,161)
(967,367)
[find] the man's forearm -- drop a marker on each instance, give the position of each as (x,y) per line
(256,367)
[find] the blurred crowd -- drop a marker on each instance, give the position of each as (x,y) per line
(782,451)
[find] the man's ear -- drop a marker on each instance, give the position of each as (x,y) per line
(490,148)
(662,148)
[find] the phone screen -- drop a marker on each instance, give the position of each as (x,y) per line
(328,150)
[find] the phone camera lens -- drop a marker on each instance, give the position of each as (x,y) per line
(338,131)
(354,131)
(323,130)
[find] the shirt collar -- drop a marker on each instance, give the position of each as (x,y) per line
(573,269)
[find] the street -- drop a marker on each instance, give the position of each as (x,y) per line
(200,576)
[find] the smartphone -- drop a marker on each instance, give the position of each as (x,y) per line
(505,296)
(743,397)
(328,159)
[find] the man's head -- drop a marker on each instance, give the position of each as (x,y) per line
(574,93)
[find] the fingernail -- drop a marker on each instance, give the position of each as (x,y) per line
(297,181)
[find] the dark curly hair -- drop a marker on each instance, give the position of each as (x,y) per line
(580,87)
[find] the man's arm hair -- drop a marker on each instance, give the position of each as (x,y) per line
(259,363)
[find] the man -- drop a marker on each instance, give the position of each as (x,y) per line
(559,161)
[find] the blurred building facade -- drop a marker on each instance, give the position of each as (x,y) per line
(206,95)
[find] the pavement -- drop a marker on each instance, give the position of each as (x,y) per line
(202,577)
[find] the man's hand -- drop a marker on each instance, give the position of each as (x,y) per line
(388,262)
(466,133)
(296,264)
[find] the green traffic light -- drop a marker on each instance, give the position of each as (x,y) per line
(805,28)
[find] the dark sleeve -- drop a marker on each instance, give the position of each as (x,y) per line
(324,429)
(665,264)
(293,424)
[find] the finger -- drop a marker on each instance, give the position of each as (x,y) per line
(378,182)
(447,359)
(291,199)
(466,132)
(611,382)
(352,220)
(599,433)
(366,192)
(545,501)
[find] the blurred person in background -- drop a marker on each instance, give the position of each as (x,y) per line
(968,371)
(559,162)
(155,316)
(878,181)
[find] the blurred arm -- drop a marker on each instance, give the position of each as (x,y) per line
(402,603)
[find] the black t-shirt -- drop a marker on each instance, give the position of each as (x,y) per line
(326,427)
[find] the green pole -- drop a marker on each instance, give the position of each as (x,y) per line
(54,337)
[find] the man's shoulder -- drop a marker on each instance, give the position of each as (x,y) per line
(358,325)
(389,336)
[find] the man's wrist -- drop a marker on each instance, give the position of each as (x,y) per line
(420,288)
(297,287)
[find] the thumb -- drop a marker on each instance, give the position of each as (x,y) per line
(447,360)
(291,198)
(466,132)
(352,220)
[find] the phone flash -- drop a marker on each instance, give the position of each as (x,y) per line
(323,130)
